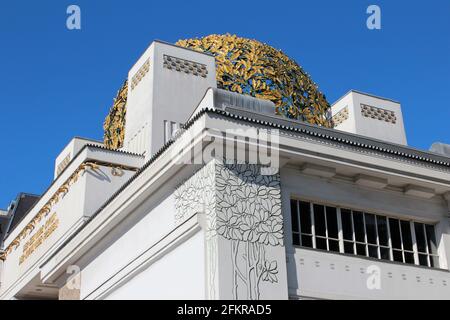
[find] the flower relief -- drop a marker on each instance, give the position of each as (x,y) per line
(196,195)
(241,206)
(249,215)
(249,205)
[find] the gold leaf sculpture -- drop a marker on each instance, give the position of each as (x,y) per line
(257,69)
(248,67)
(114,125)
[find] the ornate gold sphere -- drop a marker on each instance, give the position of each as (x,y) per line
(257,69)
(249,67)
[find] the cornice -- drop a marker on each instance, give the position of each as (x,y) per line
(337,136)
(283,124)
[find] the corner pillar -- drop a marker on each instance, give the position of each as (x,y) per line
(243,222)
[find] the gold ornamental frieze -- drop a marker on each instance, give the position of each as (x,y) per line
(44,232)
(44,212)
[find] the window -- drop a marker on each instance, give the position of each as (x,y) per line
(355,232)
(426,245)
(301,216)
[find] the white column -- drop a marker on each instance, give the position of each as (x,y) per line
(444,231)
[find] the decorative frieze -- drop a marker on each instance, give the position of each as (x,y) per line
(44,232)
(186,66)
(378,113)
(140,74)
(340,117)
(54,199)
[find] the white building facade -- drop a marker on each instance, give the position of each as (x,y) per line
(215,197)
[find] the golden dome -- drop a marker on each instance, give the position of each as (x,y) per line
(249,67)
(257,69)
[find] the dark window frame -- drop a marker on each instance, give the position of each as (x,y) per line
(362,247)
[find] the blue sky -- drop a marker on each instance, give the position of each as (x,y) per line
(56,83)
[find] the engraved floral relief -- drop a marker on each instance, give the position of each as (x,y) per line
(197,195)
(244,207)
(249,215)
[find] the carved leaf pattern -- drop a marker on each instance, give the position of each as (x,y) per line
(248,204)
(242,206)
(196,195)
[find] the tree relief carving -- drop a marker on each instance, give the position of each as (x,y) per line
(243,207)
(249,215)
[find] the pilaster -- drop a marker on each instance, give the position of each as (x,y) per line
(245,254)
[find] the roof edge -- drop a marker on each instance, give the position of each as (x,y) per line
(365,94)
(162,150)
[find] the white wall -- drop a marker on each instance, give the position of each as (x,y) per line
(378,128)
(139,104)
(100,185)
(71,150)
(143,230)
(325,275)
(349,124)
(150,222)
(1,273)
(180,274)
(83,198)
(163,94)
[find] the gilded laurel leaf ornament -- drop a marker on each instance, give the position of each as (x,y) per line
(114,125)
(249,67)
(257,69)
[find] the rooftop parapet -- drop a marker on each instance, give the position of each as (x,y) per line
(370,116)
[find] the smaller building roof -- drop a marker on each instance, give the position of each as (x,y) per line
(19,209)
(4,221)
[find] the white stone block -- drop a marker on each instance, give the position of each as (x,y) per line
(372,182)
(317,170)
(167,84)
(420,192)
(370,116)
